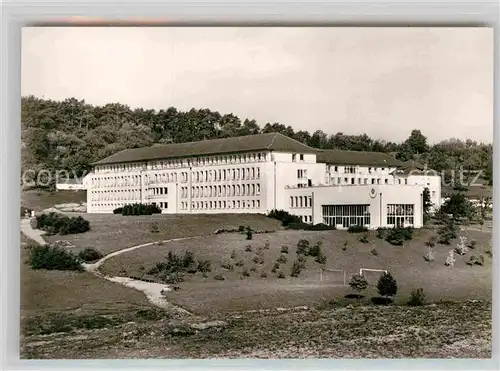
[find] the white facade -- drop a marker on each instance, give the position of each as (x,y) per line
(260,181)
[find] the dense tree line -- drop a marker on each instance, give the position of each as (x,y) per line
(72,134)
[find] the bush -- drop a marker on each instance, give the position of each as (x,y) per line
(364,238)
(296,268)
(284,249)
(357,229)
(248,248)
(284,217)
(53,258)
(281,274)
(315,250)
(118,210)
(240,263)
(344,247)
(382,232)
(476,260)
(172,278)
(321,259)
(233,254)
(253,269)
(358,283)
(257,259)
(227,265)
(245,273)
(155,228)
(417,297)
(303,247)
(387,285)
(241,228)
(447,232)
(472,244)
(397,236)
(282,259)
(431,242)
(374,252)
(58,223)
(276,266)
(204,266)
(263,275)
(89,255)
(219,277)
(429,256)
(139,209)
(249,234)
(175,263)
(301,226)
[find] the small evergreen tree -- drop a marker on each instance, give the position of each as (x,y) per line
(358,283)
(387,285)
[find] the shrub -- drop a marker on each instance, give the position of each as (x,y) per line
(267,245)
(175,263)
(249,234)
(282,259)
(281,274)
(53,258)
(374,252)
(476,260)
(315,250)
(172,278)
(253,269)
(276,266)
(140,209)
(58,223)
(357,229)
(302,260)
(263,275)
(310,227)
(358,283)
(154,228)
(431,242)
(429,256)
(248,248)
(447,232)
(321,259)
(241,228)
(397,236)
(227,265)
(284,249)
(417,297)
(382,232)
(450,259)
(344,247)
(240,263)
(233,254)
(258,259)
(284,217)
(387,285)
(296,268)
(89,255)
(363,238)
(118,210)
(219,277)
(204,266)
(245,273)
(303,247)
(472,244)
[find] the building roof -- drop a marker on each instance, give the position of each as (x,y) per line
(340,157)
(412,167)
(71,181)
(247,143)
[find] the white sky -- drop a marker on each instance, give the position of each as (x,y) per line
(382,81)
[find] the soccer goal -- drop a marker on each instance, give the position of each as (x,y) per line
(336,277)
(371,275)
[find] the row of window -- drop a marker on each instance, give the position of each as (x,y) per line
(120,167)
(355,169)
(365,181)
(119,181)
(158,191)
(125,194)
(210,160)
(346,215)
(219,205)
(222,190)
(300,201)
(400,215)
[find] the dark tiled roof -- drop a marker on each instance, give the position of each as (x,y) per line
(476,192)
(247,143)
(339,157)
(414,168)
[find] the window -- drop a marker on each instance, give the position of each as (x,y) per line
(400,215)
(352,180)
(346,215)
(293,157)
(301,156)
(386,181)
(301,174)
(336,168)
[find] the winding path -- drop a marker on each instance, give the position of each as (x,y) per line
(152,290)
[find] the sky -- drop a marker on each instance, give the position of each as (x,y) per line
(380,81)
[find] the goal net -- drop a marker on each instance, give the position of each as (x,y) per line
(372,275)
(336,277)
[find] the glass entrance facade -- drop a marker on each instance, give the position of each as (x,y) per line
(346,215)
(400,215)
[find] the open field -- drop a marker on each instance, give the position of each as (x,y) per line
(109,232)
(457,330)
(203,295)
(45,291)
(41,200)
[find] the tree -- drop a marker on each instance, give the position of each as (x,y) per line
(387,285)
(417,142)
(426,198)
(358,283)
(458,206)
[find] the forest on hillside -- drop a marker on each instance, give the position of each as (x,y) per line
(72,134)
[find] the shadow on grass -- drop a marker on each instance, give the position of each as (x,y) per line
(354,296)
(378,300)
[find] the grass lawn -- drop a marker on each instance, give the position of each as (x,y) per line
(109,232)
(44,291)
(41,200)
(203,295)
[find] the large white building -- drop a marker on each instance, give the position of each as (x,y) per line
(258,173)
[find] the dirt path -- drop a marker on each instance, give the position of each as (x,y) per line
(34,234)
